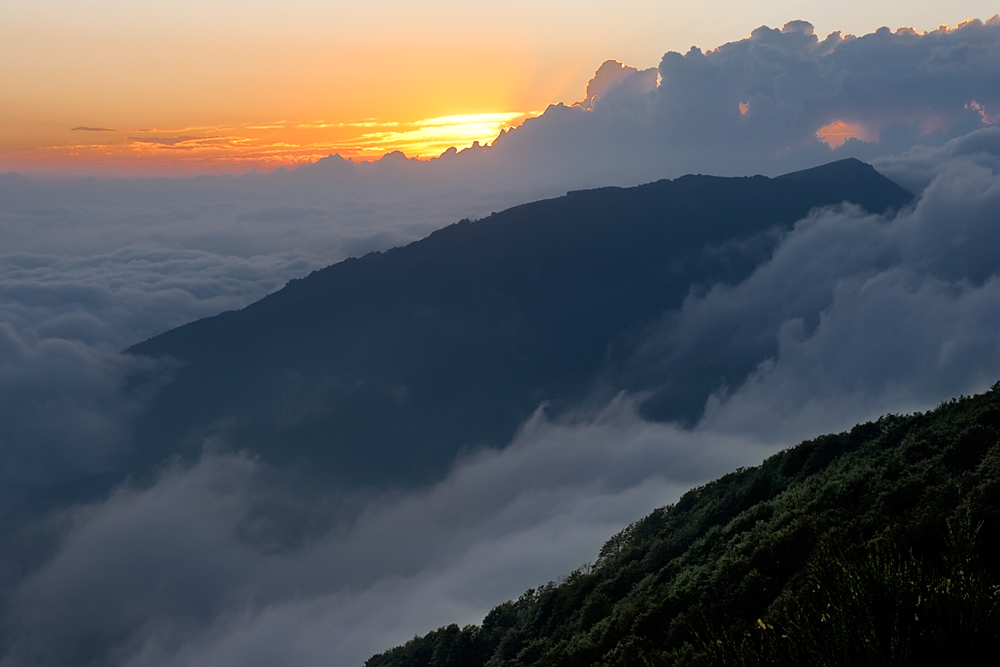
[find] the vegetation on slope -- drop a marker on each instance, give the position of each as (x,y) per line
(867,547)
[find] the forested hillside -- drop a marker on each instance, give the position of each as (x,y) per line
(875,546)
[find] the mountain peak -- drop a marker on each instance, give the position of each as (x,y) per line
(387,365)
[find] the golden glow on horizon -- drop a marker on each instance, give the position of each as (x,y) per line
(268,145)
(837,133)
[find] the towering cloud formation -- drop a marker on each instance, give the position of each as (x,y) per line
(776,101)
(225,563)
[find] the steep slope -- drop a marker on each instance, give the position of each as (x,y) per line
(380,369)
(873,547)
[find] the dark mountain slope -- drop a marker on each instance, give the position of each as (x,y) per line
(873,547)
(382,368)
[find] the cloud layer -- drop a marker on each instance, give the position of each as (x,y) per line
(225,562)
(64,413)
(195,569)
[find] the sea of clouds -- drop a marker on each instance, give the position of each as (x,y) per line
(225,562)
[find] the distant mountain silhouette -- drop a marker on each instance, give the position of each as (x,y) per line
(381,369)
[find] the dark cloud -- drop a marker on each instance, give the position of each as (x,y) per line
(84,128)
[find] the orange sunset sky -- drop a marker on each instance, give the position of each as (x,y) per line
(111,86)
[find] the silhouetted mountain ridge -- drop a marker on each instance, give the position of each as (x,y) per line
(875,546)
(383,367)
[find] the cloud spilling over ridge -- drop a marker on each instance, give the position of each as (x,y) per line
(616,81)
(849,306)
(917,167)
(225,562)
(861,315)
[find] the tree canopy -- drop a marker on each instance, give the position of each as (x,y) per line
(873,546)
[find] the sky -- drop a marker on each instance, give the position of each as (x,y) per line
(860,314)
(115,86)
